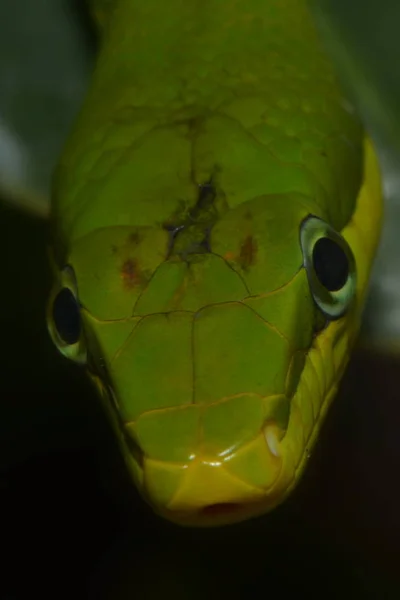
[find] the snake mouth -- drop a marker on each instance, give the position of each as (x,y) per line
(220,509)
(217,514)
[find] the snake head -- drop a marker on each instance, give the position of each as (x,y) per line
(217,362)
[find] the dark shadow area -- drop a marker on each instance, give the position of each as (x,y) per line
(80,13)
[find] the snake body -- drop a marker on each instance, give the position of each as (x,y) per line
(215,216)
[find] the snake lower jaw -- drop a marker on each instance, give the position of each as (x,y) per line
(219,514)
(212,493)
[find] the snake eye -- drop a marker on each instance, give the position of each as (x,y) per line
(331,264)
(64,318)
(330,267)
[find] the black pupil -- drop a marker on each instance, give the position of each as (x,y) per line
(66,316)
(331,264)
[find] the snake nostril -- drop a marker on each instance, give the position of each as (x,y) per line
(221,508)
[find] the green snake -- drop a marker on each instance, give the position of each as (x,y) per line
(215,216)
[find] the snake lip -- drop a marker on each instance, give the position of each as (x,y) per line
(220,508)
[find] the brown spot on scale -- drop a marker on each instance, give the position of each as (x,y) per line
(130,274)
(248,252)
(229,256)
